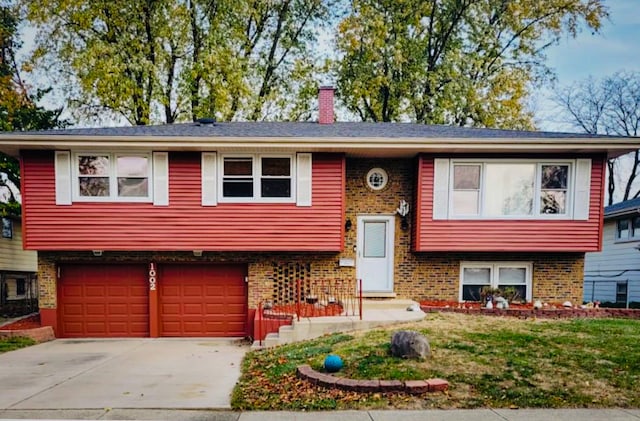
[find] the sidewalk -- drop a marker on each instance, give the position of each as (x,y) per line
(391,415)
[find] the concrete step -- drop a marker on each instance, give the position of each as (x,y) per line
(271,340)
(376,314)
(386,304)
(285,334)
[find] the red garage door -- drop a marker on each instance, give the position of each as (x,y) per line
(203,300)
(103,301)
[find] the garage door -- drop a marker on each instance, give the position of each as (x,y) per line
(203,300)
(103,301)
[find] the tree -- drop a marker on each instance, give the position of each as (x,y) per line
(117,57)
(608,106)
(230,59)
(18,109)
(462,62)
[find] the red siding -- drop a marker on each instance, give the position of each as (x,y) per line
(184,224)
(506,235)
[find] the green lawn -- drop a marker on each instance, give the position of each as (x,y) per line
(488,361)
(10,344)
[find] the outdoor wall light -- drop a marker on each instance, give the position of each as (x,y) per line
(197,253)
(403,211)
(97,253)
(347,225)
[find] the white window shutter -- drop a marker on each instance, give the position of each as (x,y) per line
(209,184)
(303,179)
(63,177)
(582,189)
(161,178)
(440,188)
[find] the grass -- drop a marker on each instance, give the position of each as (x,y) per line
(488,361)
(11,344)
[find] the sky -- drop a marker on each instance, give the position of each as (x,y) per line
(615,48)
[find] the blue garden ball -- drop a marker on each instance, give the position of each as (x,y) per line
(333,363)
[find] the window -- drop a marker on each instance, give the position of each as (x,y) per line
(267,178)
(622,229)
(7,228)
(621,292)
(21,287)
(110,176)
(515,276)
(377,179)
(509,189)
(628,229)
(466,189)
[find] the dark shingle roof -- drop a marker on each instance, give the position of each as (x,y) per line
(622,208)
(309,130)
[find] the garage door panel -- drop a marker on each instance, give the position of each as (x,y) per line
(193,309)
(98,291)
(192,291)
(169,309)
(203,292)
(104,301)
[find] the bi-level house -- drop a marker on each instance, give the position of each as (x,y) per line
(179,230)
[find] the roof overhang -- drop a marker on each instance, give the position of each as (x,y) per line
(12,143)
(622,212)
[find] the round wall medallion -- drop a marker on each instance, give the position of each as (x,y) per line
(377,179)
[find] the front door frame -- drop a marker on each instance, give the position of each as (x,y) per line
(390,247)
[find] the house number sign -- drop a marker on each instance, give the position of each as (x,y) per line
(152,276)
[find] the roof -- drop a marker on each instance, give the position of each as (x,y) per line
(372,139)
(623,208)
(309,129)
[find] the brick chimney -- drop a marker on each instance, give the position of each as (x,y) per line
(325,105)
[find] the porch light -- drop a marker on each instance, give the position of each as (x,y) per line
(347,225)
(403,211)
(197,253)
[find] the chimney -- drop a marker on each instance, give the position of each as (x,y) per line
(325,105)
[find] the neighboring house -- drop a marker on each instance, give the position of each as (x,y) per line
(180,230)
(613,274)
(18,267)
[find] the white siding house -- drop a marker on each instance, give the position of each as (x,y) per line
(18,267)
(613,275)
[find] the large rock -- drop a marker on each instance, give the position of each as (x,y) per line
(410,344)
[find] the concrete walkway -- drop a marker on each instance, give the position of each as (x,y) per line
(121,373)
(434,415)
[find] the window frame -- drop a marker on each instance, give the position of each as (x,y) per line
(112,176)
(256,159)
(632,234)
(537,188)
(494,270)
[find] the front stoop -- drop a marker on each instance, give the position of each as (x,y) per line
(376,313)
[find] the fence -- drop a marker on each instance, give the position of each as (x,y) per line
(18,294)
(319,298)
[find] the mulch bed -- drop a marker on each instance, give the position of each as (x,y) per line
(30,322)
(524,311)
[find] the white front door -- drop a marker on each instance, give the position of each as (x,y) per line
(374,263)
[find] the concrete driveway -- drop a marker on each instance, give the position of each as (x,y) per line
(121,373)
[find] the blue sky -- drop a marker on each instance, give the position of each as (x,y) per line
(615,48)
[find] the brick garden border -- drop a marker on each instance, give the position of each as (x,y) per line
(414,387)
(38,334)
(546,313)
